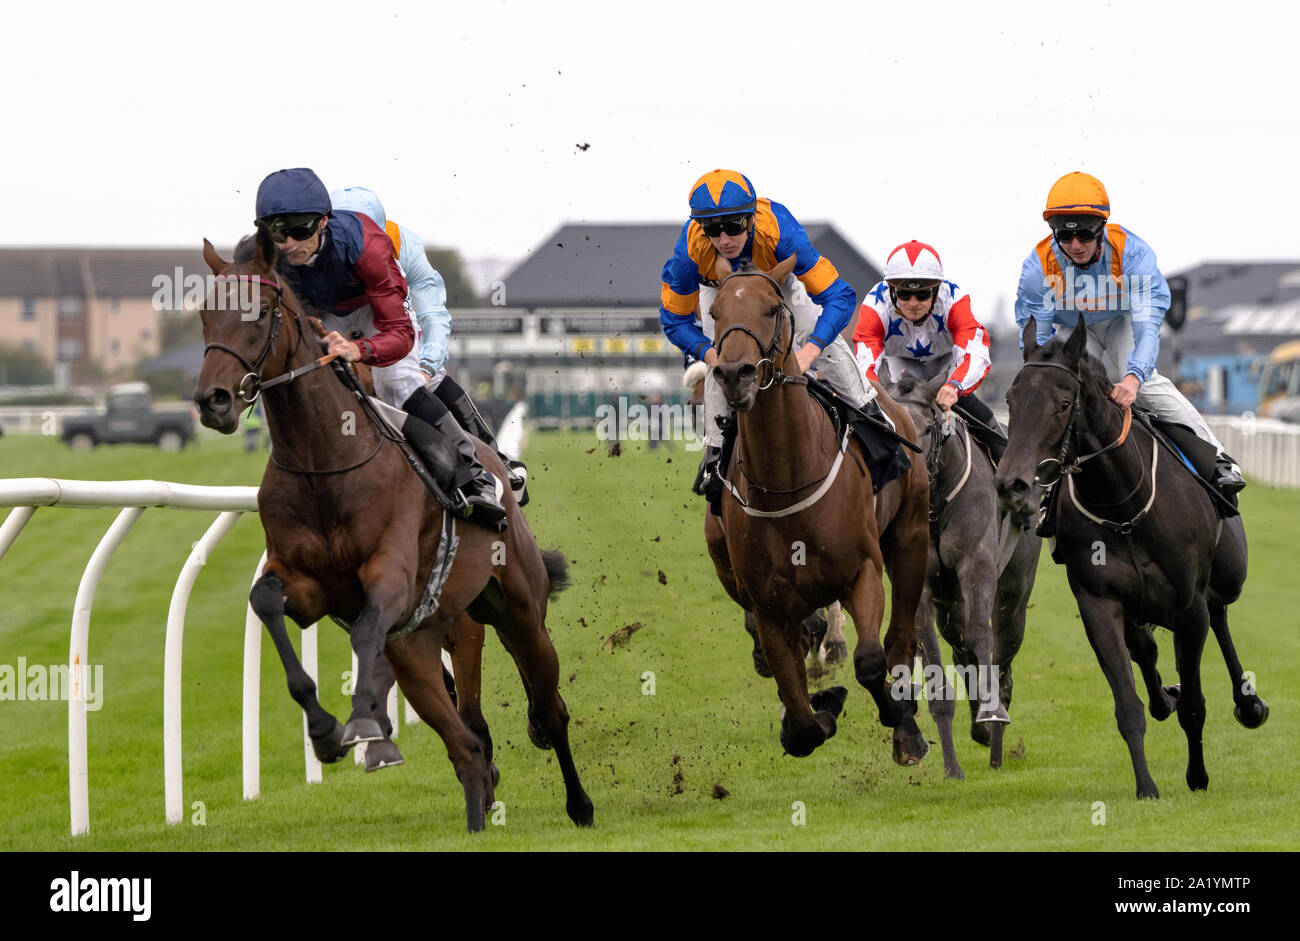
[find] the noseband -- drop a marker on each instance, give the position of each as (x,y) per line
(773,347)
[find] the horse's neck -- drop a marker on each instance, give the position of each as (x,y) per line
(1117,472)
(778,438)
(314,421)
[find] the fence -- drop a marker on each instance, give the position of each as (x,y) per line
(1267,450)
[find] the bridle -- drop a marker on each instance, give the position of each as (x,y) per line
(251,385)
(1067,437)
(769,350)
(940,430)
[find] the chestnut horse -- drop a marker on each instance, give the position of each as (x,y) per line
(805,534)
(352,532)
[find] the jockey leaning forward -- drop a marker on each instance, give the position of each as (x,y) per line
(1109,275)
(342,265)
(427,295)
(728,220)
(914,322)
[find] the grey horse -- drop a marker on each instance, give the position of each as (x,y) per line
(981,572)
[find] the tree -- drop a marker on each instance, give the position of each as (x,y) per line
(23,368)
(460,293)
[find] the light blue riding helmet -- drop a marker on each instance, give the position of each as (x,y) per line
(359,199)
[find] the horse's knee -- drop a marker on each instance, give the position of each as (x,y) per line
(869,665)
(267,596)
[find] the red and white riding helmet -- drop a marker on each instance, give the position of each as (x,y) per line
(913,265)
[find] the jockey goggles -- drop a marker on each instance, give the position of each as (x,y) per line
(298,226)
(924,294)
(735,225)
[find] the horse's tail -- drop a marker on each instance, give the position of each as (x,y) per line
(557,570)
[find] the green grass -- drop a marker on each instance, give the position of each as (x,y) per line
(621,521)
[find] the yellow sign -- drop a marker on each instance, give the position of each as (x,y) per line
(582,345)
(651,345)
(617,345)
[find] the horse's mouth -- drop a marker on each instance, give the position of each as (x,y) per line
(742,401)
(217,411)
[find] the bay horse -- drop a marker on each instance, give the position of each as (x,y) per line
(1140,539)
(352,532)
(976,588)
(781,559)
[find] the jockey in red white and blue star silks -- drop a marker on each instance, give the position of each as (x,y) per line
(948,336)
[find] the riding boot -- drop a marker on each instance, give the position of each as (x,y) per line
(463,408)
(1227,475)
(450,455)
(708,470)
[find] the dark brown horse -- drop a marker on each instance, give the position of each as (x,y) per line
(1140,539)
(785,550)
(352,532)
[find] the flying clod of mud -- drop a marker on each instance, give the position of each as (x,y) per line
(620,637)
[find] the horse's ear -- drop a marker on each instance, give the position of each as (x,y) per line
(782,270)
(721,269)
(1075,345)
(1029,338)
(264,249)
(934,385)
(215,261)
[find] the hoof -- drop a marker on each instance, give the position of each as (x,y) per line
(329,748)
(1198,780)
(910,748)
(804,745)
(1254,716)
(996,716)
(580,810)
(955,774)
(830,700)
(364,729)
(383,754)
(496,774)
(760,664)
(833,653)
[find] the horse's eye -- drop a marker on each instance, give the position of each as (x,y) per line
(775,309)
(1065,405)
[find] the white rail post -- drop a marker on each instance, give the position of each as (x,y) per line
(252,757)
(310,657)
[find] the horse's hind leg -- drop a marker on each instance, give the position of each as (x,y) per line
(465,644)
(1190,640)
(268,602)
(523,633)
(417,662)
(761,666)
(1162,700)
(383,753)
(833,648)
(1250,710)
(942,706)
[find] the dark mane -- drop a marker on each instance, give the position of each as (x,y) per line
(1091,371)
(246,251)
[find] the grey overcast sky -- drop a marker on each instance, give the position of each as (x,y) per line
(152,123)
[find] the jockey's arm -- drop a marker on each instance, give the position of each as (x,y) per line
(825,287)
(970,349)
(428,295)
(869,335)
(1035,299)
(679,298)
(1147,297)
(376,268)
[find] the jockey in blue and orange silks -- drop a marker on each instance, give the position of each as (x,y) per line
(428,302)
(342,264)
(1109,275)
(729,221)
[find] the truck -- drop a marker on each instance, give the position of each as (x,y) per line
(130,418)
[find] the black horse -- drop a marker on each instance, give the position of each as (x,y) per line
(975,593)
(1140,539)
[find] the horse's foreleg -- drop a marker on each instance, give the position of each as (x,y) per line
(384,753)
(804,726)
(905,547)
(1190,640)
(1103,620)
(1162,700)
(833,648)
(1010,602)
(977,574)
(866,605)
(941,705)
(417,661)
(268,601)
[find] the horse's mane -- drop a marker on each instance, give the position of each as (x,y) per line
(1091,371)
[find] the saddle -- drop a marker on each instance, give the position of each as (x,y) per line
(882,446)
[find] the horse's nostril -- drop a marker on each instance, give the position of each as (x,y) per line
(746,372)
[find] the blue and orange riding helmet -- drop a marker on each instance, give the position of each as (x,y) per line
(722,193)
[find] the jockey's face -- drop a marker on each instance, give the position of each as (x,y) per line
(912,307)
(1081,251)
(730,246)
(296,252)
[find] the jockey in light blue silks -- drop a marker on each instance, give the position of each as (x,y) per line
(428,302)
(729,221)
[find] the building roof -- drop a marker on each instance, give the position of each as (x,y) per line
(591,264)
(101,272)
(1240,307)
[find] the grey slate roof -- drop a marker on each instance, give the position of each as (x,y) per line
(610,265)
(1240,307)
(113,272)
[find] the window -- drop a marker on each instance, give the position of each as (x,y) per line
(29,308)
(69,349)
(70,308)
(117,347)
